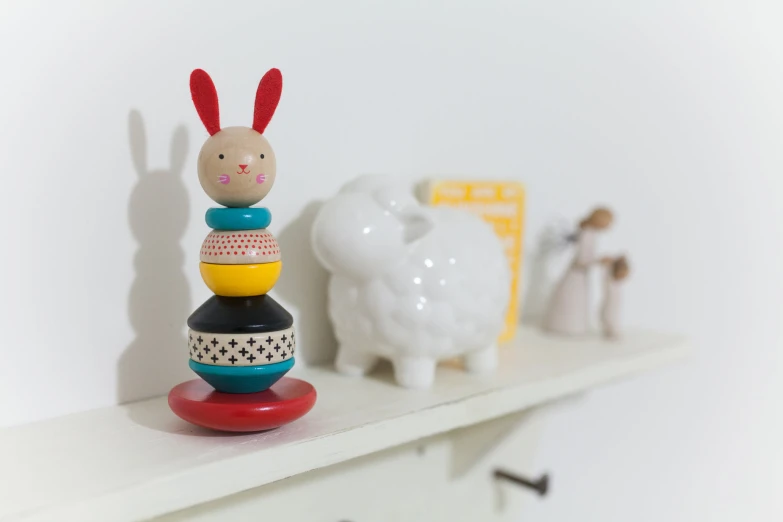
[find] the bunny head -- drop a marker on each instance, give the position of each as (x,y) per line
(236,165)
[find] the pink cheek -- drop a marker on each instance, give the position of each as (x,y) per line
(260,178)
(224,179)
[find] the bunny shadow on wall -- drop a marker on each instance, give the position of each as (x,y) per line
(159,299)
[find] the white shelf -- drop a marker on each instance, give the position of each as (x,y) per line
(138,461)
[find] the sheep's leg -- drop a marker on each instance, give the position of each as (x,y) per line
(482,361)
(414,372)
(353,362)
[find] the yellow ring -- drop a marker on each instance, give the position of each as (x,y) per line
(240,280)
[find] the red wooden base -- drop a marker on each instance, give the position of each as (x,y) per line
(198,402)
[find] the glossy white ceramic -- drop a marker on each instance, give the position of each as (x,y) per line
(409,283)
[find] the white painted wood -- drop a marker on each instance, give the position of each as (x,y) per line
(385,486)
(140,461)
(423,481)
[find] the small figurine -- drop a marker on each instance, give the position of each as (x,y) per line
(241,341)
(569,307)
(410,283)
(617,271)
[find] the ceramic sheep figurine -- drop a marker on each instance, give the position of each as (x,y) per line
(409,283)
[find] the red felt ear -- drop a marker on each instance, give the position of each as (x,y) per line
(205,99)
(267,97)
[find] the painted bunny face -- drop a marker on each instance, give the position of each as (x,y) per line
(236,165)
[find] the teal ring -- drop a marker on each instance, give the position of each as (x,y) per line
(249,218)
(241,379)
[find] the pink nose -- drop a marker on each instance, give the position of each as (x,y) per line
(243,167)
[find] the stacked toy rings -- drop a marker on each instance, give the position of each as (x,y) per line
(241,342)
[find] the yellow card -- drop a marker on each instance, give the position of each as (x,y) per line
(501,204)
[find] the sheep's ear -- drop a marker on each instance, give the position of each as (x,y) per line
(138,142)
(204,95)
(267,97)
(416,223)
(179,149)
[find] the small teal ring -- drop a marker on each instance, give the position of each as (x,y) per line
(249,218)
(241,379)
(242,371)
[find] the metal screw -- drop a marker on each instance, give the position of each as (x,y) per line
(540,486)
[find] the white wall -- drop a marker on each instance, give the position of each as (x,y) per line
(671,113)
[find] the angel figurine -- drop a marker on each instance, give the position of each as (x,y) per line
(569,307)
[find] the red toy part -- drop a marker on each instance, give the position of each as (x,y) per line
(267,97)
(205,98)
(197,402)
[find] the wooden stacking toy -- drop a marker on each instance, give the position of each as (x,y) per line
(241,342)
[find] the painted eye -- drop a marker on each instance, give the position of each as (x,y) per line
(262,156)
(221,156)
